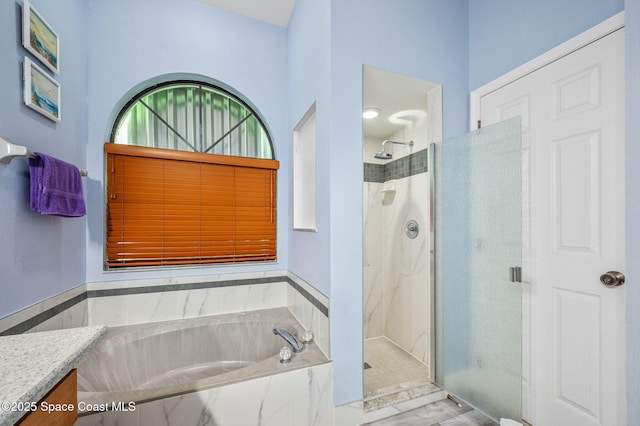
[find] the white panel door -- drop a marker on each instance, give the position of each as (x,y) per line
(573,231)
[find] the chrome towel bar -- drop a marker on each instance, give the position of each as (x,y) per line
(8,151)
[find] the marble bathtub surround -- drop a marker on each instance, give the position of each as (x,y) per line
(124,288)
(65,310)
(297,397)
(303,395)
(132,362)
(32,364)
(313,316)
(313,296)
(163,288)
(136,301)
(125,303)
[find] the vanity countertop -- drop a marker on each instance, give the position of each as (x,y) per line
(31,364)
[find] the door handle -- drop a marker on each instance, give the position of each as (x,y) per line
(612,279)
(515,274)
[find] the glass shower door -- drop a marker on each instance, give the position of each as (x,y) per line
(478,252)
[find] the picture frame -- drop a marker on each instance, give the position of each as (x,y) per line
(41,92)
(39,38)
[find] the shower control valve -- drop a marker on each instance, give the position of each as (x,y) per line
(412,229)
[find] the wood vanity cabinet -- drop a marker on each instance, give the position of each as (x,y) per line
(61,396)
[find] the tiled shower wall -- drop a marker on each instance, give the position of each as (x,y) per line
(372,258)
(396,268)
(406,268)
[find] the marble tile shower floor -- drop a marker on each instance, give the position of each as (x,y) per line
(392,369)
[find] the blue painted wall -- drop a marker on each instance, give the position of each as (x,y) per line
(329,44)
(425,39)
(504,34)
(309,67)
(132,43)
(40,256)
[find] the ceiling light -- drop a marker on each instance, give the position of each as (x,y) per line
(407,116)
(370,113)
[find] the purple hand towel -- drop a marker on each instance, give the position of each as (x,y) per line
(56,187)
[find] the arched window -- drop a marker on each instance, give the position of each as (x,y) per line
(192,116)
(191,179)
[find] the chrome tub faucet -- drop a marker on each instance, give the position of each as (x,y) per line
(290,338)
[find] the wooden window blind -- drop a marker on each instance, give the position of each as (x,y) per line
(168,207)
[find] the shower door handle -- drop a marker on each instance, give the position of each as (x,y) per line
(515,274)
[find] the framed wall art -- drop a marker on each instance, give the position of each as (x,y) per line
(41,92)
(39,38)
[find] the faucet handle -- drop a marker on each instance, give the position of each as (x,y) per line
(285,355)
(307,336)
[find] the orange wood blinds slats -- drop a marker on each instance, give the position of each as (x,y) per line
(187,209)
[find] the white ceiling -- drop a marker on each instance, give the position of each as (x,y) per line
(391,93)
(395,95)
(277,12)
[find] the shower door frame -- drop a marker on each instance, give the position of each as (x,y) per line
(431,162)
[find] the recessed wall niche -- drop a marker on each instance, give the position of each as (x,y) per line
(304,172)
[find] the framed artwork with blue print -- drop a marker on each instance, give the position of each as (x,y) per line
(39,38)
(41,92)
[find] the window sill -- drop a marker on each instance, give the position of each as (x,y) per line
(306,229)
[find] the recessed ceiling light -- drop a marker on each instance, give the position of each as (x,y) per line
(407,116)
(370,113)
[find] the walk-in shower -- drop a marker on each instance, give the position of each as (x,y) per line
(384,155)
(439,307)
(397,299)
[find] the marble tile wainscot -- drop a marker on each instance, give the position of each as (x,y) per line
(135,301)
(64,310)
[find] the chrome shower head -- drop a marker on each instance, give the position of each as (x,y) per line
(384,155)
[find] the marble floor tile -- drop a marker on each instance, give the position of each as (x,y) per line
(439,413)
(471,418)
